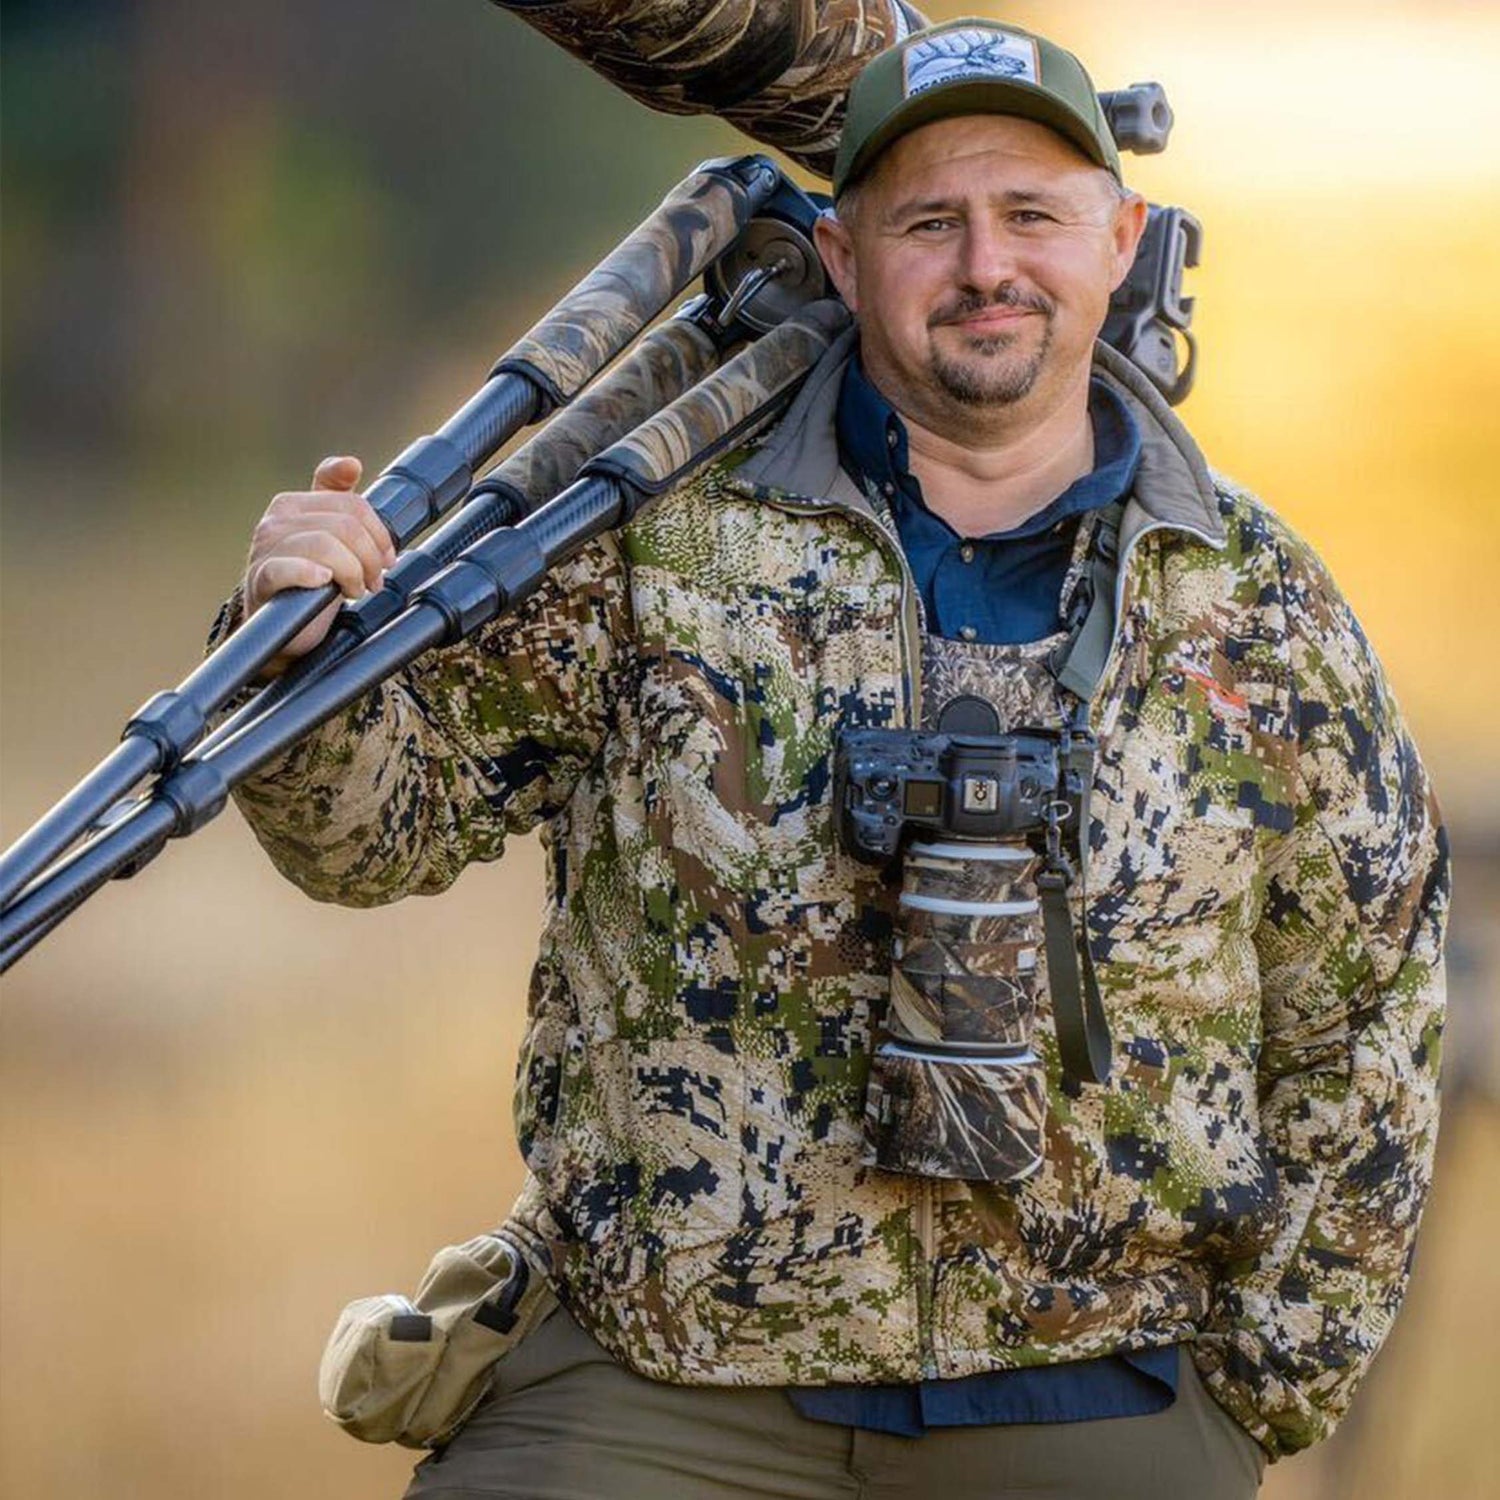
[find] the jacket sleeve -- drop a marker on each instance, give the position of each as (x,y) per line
(438,765)
(1350,951)
(777,69)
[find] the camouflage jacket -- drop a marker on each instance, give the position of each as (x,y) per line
(1268,887)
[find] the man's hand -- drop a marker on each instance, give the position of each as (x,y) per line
(329,534)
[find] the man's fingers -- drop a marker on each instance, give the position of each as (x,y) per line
(308,559)
(338,472)
(347,526)
(358,513)
(273,574)
(340,559)
(349,516)
(329,534)
(377,529)
(342,473)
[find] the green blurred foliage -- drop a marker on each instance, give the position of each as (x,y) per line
(232,238)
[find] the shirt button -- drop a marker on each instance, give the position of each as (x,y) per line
(888,490)
(967,552)
(890,437)
(968,633)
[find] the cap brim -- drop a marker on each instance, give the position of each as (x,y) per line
(980,96)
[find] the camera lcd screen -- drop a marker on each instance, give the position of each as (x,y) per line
(923,799)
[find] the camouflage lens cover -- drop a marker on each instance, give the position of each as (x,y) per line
(980,1121)
(955,1090)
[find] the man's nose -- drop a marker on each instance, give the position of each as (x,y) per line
(987,257)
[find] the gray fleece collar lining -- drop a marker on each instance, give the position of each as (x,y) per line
(1173,486)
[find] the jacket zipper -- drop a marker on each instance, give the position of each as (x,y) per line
(1123,568)
(922,1190)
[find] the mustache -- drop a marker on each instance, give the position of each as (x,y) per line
(1007,295)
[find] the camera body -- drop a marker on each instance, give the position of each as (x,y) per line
(990,787)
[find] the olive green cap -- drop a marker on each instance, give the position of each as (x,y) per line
(970,67)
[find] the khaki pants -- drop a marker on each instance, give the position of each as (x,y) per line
(565,1422)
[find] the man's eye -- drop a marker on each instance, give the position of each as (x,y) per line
(1030,216)
(931,226)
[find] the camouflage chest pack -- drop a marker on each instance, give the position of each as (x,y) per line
(986,809)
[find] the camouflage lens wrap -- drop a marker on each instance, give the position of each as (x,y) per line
(695,223)
(777,69)
(940,992)
(971,1121)
(680,56)
(669,360)
(744,394)
(955,1089)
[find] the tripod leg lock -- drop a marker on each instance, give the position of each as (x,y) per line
(426,479)
(172,722)
(485,581)
(197,793)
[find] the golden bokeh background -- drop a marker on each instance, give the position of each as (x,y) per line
(237,238)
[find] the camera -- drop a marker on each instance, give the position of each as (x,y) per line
(956,1087)
(891,783)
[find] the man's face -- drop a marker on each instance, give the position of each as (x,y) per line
(980,256)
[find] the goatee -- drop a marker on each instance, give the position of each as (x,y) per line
(976,383)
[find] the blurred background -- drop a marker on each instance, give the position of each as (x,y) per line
(238,238)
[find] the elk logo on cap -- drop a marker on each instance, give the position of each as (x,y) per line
(953,55)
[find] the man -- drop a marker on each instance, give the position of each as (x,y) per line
(1208,1248)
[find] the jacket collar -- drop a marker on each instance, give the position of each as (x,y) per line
(801,455)
(1173,487)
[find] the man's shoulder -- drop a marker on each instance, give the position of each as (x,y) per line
(1251,523)
(1270,593)
(689,507)
(715,498)
(1262,543)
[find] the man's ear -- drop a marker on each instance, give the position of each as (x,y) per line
(1129,226)
(836,247)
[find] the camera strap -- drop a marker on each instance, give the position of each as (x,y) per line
(1083,1039)
(1078,662)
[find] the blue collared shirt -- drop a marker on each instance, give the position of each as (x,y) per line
(1001,588)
